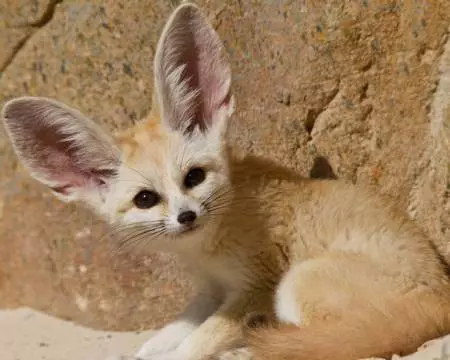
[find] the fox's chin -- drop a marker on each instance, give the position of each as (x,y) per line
(189,229)
(186,230)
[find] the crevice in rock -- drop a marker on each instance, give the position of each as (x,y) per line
(38,24)
(366,111)
(47,16)
(313,114)
(14,52)
(363,93)
(310,120)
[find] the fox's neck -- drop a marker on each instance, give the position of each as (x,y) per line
(234,244)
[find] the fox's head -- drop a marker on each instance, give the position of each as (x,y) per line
(165,177)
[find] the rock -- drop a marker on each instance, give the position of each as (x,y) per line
(22,14)
(284,97)
(367,100)
(55,257)
(10,41)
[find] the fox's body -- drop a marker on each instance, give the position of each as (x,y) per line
(332,261)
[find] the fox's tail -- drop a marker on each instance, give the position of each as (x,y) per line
(383,329)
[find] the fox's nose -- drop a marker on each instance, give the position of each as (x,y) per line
(187,217)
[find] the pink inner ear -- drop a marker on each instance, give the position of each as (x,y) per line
(61,169)
(214,75)
(59,146)
(69,176)
(191,42)
(211,74)
(71,181)
(226,100)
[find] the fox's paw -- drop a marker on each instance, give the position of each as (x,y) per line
(236,354)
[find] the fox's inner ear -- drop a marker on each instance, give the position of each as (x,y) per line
(61,148)
(192,75)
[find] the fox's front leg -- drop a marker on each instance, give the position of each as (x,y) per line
(172,335)
(222,331)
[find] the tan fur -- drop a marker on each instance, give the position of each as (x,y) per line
(332,258)
(379,330)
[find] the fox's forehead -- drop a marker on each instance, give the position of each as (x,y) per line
(150,150)
(147,136)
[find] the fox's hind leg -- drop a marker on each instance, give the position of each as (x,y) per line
(325,288)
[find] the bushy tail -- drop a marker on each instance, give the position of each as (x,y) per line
(383,329)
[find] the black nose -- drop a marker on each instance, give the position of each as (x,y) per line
(187,217)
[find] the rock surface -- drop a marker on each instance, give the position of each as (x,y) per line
(363,87)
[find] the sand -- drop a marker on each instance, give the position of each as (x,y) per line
(26,334)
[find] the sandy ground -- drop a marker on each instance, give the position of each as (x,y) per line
(29,335)
(26,334)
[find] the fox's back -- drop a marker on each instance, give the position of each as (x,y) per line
(300,219)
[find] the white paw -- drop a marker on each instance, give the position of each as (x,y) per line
(153,347)
(236,354)
(171,355)
(165,340)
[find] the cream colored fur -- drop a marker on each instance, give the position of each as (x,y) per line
(266,240)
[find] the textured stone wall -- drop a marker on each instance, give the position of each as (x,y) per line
(361,85)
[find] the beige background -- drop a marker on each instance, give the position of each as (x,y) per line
(364,85)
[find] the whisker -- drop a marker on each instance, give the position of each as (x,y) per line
(217,194)
(145,241)
(145,223)
(116,229)
(143,184)
(134,233)
(134,241)
(128,241)
(147,180)
(220,200)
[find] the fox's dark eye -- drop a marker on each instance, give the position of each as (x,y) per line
(194,177)
(146,199)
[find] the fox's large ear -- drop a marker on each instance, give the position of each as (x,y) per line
(61,148)
(192,75)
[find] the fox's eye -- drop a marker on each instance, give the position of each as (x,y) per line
(146,199)
(194,177)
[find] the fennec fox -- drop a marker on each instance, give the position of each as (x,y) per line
(346,275)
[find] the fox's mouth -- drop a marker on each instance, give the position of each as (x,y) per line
(189,229)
